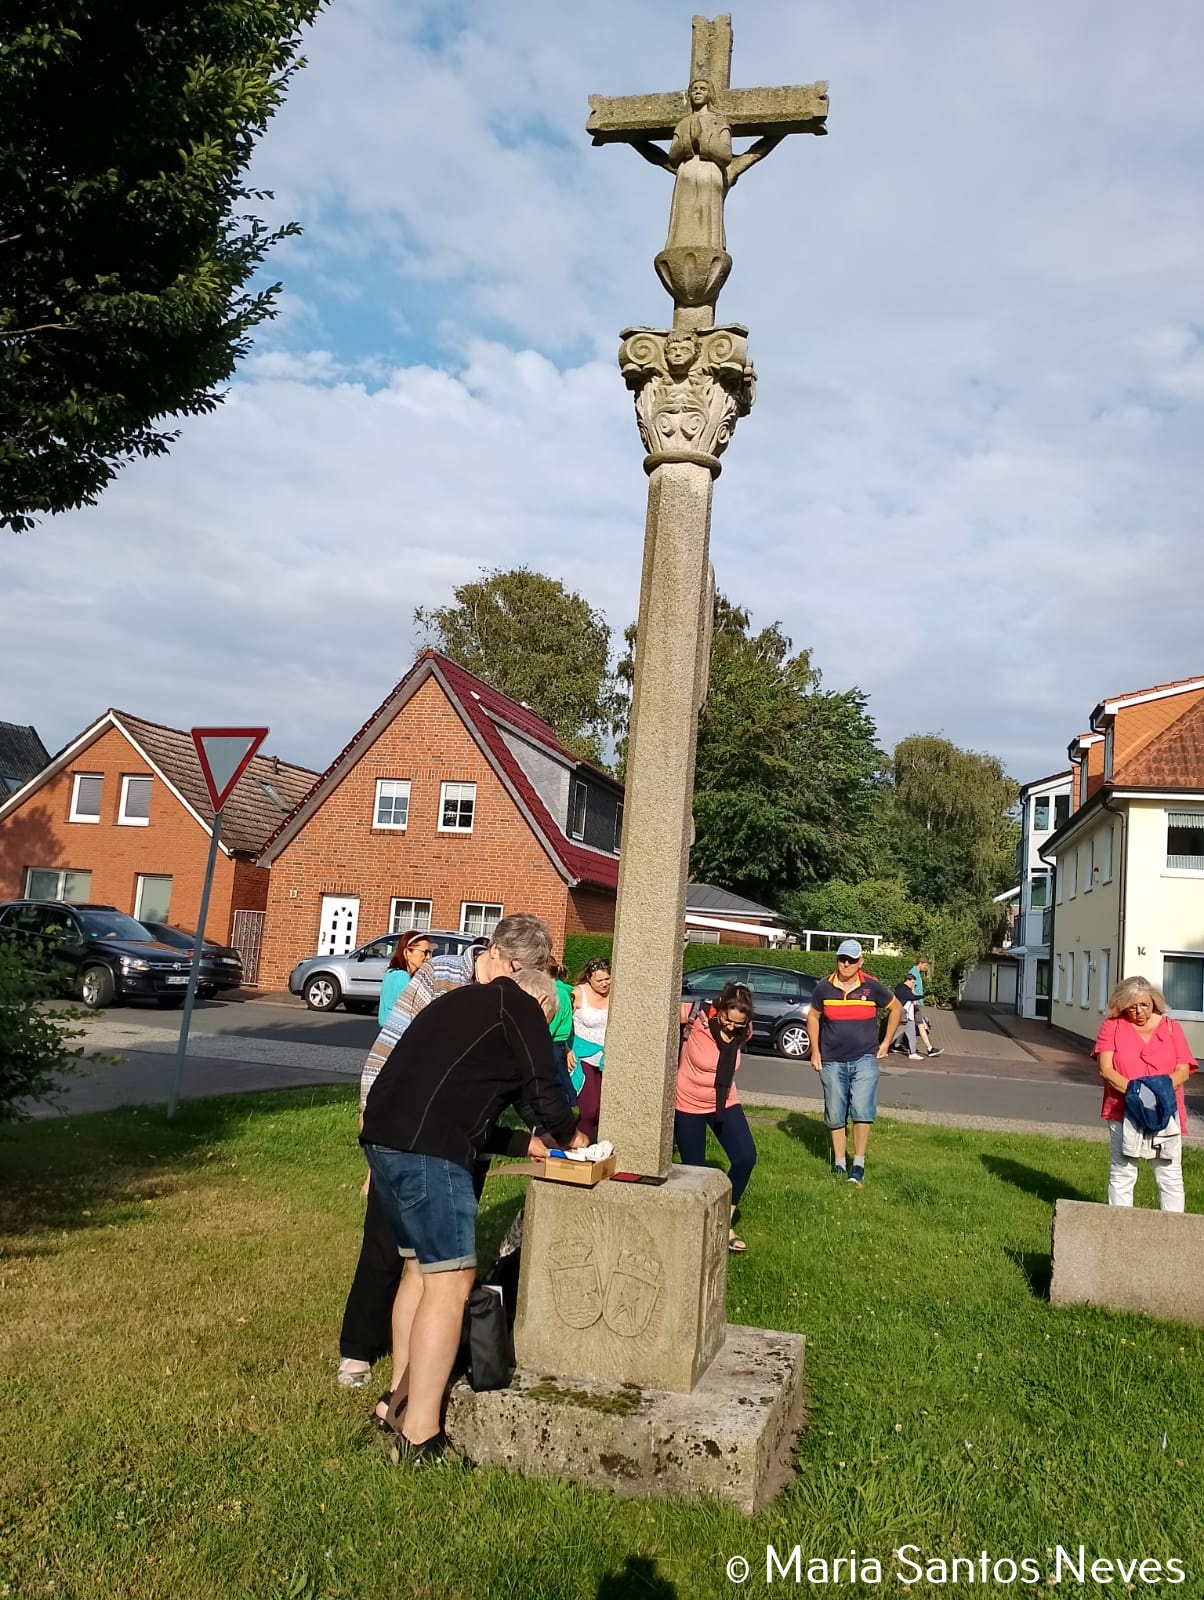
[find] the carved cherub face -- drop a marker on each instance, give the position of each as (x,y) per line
(701,93)
(681,352)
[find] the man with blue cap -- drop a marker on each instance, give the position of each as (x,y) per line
(842,1026)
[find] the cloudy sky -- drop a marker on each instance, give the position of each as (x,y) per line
(972,483)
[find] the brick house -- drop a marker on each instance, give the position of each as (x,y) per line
(451,806)
(122,817)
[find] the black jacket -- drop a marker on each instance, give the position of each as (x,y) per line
(460,1063)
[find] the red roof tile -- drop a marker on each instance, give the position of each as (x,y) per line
(1173,759)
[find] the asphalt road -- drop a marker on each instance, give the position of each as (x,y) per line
(257,1044)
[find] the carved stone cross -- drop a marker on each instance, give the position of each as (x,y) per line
(700,124)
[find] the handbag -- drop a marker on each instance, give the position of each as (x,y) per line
(486,1345)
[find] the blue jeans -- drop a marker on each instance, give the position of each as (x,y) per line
(850,1090)
(431,1206)
(731,1129)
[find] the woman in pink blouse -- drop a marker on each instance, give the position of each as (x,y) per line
(1138,1040)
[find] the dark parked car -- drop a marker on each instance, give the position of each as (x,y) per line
(355,978)
(781,1001)
(95,952)
(221,964)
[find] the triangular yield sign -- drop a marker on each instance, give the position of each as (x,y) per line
(224,754)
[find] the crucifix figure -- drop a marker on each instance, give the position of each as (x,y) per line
(694,264)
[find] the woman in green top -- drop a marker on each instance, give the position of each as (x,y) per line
(561,1026)
(412,950)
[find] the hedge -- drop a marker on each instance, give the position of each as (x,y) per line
(890,970)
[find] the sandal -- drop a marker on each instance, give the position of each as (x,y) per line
(380,1419)
(427,1453)
(737,1247)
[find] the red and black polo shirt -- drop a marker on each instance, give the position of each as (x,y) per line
(848,1023)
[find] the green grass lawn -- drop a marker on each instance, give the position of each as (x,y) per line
(171,1298)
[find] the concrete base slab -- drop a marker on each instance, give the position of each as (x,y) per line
(731,1439)
(1128,1259)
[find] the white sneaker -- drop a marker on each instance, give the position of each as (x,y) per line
(915,1056)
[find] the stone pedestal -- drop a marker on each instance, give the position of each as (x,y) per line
(625,1283)
(731,1439)
(1128,1259)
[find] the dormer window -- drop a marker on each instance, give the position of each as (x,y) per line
(578,800)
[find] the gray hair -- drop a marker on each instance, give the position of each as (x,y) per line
(535,982)
(523,938)
(1131,989)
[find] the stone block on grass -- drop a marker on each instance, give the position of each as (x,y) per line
(1128,1259)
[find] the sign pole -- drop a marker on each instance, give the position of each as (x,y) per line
(197,947)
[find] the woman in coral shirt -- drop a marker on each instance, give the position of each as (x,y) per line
(706,1092)
(1138,1040)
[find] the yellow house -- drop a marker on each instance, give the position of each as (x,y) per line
(1129,878)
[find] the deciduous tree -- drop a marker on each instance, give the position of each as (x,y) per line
(126,127)
(539,643)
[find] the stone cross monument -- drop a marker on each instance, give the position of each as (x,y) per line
(624,1285)
(691,384)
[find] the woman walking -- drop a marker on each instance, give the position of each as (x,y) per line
(706,1092)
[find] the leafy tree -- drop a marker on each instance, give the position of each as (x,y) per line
(534,640)
(126,127)
(34,1046)
(786,771)
(953,824)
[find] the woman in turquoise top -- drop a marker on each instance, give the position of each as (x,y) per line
(412,950)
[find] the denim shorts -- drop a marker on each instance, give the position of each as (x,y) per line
(430,1204)
(850,1090)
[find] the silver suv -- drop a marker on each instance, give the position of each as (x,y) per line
(355,979)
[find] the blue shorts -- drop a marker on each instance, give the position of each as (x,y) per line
(430,1204)
(850,1090)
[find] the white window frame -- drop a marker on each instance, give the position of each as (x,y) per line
(1085,981)
(399,924)
(1046,801)
(1088,872)
(1072,877)
(61,892)
(1108,837)
(1183,955)
(1070,977)
(1109,749)
(144,878)
(398,785)
(1179,872)
(484,906)
(75,815)
(705,936)
(1056,977)
(1059,881)
(578,791)
(1105,979)
(445,796)
(134,822)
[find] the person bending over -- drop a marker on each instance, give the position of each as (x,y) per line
(465,1058)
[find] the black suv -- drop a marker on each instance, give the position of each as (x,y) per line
(97,953)
(220,966)
(781,1001)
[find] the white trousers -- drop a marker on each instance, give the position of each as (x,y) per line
(1122,1176)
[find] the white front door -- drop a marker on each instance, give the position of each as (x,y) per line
(336,931)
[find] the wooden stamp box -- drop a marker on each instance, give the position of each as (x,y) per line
(585,1173)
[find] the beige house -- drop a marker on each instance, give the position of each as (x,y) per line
(1129,880)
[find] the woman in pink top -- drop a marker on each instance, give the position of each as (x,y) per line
(1138,1040)
(706,1092)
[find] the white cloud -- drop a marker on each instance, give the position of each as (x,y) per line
(971,480)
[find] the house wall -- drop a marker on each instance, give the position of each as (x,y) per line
(339,851)
(1164,911)
(1086,925)
(39,833)
(746,941)
(589,911)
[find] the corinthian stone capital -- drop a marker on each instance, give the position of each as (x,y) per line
(690,388)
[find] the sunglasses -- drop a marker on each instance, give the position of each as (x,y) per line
(847,961)
(598,966)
